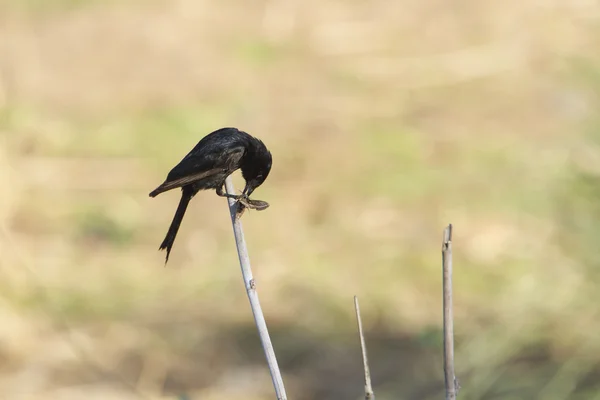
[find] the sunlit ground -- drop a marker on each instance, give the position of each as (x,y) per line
(386,120)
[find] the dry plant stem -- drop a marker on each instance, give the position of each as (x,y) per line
(450,378)
(259,318)
(369,395)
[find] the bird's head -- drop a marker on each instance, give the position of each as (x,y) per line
(256,168)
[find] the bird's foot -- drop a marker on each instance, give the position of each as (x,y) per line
(221,192)
(230,196)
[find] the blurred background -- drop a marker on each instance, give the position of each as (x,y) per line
(387,120)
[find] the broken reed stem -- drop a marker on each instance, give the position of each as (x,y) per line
(450,378)
(250,285)
(369,395)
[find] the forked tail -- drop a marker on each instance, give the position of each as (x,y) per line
(186,195)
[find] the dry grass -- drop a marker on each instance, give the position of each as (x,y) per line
(368,108)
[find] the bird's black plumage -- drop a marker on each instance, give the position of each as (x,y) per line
(207,165)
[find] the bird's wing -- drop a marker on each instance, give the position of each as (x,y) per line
(201,164)
(204,161)
(184,180)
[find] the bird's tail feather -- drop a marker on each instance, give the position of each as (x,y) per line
(167,243)
(157,191)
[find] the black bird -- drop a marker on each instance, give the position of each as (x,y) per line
(213,159)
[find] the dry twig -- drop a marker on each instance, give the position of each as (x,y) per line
(369,395)
(250,285)
(450,378)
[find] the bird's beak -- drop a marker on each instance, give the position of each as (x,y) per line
(247,190)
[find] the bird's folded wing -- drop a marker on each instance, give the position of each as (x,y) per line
(188,179)
(222,158)
(203,163)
